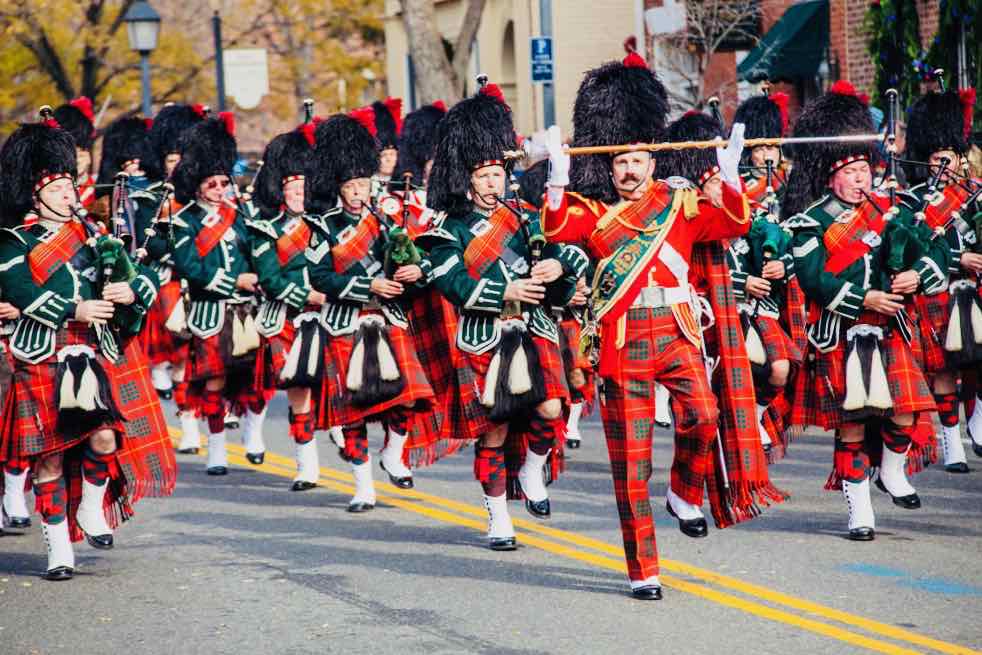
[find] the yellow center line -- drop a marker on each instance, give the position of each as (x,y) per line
(336,480)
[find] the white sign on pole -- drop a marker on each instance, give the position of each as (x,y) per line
(246,76)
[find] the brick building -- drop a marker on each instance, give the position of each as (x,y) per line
(845,53)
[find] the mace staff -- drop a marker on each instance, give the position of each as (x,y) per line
(703,145)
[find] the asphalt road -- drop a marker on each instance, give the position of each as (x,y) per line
(242,565)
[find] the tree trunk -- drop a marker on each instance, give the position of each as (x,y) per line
(465,39)
(434,75)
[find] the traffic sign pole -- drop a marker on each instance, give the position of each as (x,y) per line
(548,91)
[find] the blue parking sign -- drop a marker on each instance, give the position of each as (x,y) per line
(540,54)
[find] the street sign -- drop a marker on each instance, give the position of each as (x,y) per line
(540,55)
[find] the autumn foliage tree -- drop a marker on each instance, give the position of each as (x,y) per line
(52,51)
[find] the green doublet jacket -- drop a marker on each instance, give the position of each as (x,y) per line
(956,242)
(348,285)
(211,278)
(285,284)
(480,300)
(146,203)
(740,258)
(46,308)
(832,297)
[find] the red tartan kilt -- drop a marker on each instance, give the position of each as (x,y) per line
(777,343)
(572,330)
(145,455)
(340,410)
(160,344)
(468,418)
(211,357)
(272,357)
(934,312)
(821,387)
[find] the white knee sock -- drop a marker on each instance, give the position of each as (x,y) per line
(952,446)
(893,475)
(216,450)
(364,484)
(499,520)
(573,422)
(190,432)
(530,476)
(392,455)
(859,503)
(252,432)
(14,498)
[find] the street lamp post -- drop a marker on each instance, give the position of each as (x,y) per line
(143,28)
(216,28)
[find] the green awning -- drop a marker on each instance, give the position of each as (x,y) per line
(793,48)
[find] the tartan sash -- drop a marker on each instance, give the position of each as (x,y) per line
(756,188)
(485,248)
(353,250)
(214,228)
(938,211)
(51,254)
(293,242)
(845,241)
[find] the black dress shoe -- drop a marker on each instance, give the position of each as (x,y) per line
(302,485)
(100,541)
(695,528)
(187,451)
(59,573)
(217,470)
(959,467)
(403,483)
(165,394)
(977,449)
(861,534)
(650,592)
(502,543)
(663,424)
(540,509)
(572,444)
(359,508)
(256,458)
(911,501)
(232,423)
(17,522)
(767,449)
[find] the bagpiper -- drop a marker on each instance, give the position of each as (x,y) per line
(293,340)
(372,369)
(490,260)
(860,260)
(78,119)
(762,267)
(165,335)
(579,372)
(212,252)
(387,118)
(83,410)
(645,322)
(936,139)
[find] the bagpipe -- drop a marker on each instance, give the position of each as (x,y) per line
(399,247)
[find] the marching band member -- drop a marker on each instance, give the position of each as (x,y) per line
(84,411)
(642,233)
(859,262)
(212,252)
(372,370)
(490,260)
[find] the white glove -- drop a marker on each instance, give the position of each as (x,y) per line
(535,147)
(558,158)
(729,157)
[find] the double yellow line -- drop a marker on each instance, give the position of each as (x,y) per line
(706,584)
